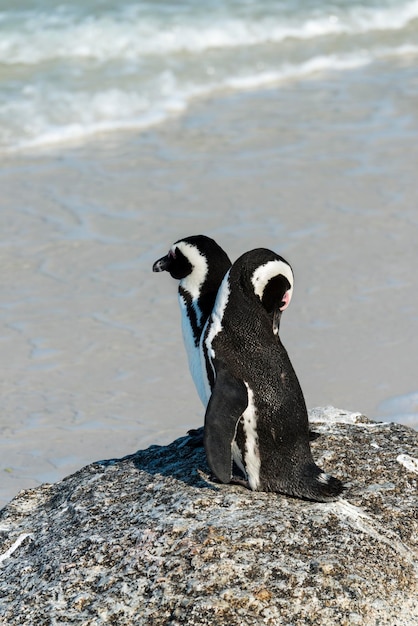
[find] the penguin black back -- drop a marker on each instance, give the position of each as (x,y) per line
(257,415)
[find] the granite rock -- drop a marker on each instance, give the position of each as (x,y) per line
(150,539)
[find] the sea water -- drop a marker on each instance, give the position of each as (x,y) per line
(69,70)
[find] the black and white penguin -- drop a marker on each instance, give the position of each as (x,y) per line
(256,415)
(200,264)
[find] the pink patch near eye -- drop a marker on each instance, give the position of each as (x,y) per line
(171,254)
(286,300)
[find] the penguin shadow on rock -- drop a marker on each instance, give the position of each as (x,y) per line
(181,460)
(178,460)
(256,418)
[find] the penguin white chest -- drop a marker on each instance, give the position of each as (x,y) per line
(193,351)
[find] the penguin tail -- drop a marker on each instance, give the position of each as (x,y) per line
(320,486)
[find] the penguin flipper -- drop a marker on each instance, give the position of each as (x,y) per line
(227,403)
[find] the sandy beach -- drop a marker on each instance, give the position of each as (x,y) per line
(323,172)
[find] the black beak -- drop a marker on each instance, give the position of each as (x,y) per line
(162,264)
(276,321)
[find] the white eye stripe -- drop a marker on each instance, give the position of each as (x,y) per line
(269,270)
(194,281)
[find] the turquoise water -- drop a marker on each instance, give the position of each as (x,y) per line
(71,70)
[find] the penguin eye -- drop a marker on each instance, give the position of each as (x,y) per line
(180,266)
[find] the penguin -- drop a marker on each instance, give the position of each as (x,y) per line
(256,415)
(200,264)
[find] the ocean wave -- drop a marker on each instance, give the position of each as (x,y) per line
(41,118)
(40,37)
(78,115)
(319,64)
(84,67)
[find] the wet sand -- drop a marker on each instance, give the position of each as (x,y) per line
(322,171)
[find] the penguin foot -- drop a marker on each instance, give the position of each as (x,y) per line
(320,486)
(236,480)
(313,435)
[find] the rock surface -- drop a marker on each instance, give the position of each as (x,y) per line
(149,539)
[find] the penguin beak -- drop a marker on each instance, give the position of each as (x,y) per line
(162,264)
(276,321)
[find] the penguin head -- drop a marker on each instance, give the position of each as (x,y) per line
(175,262)
(190,259)
(268,278)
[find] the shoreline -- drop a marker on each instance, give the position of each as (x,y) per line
(321,171)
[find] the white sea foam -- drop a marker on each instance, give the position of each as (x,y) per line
(75,70)
(60,116)
(40,118)
(40,37)
(80,115)
(323,63)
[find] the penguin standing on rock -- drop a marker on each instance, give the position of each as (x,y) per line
(200,264)
(256,415)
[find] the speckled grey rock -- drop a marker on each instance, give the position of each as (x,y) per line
(150,540)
